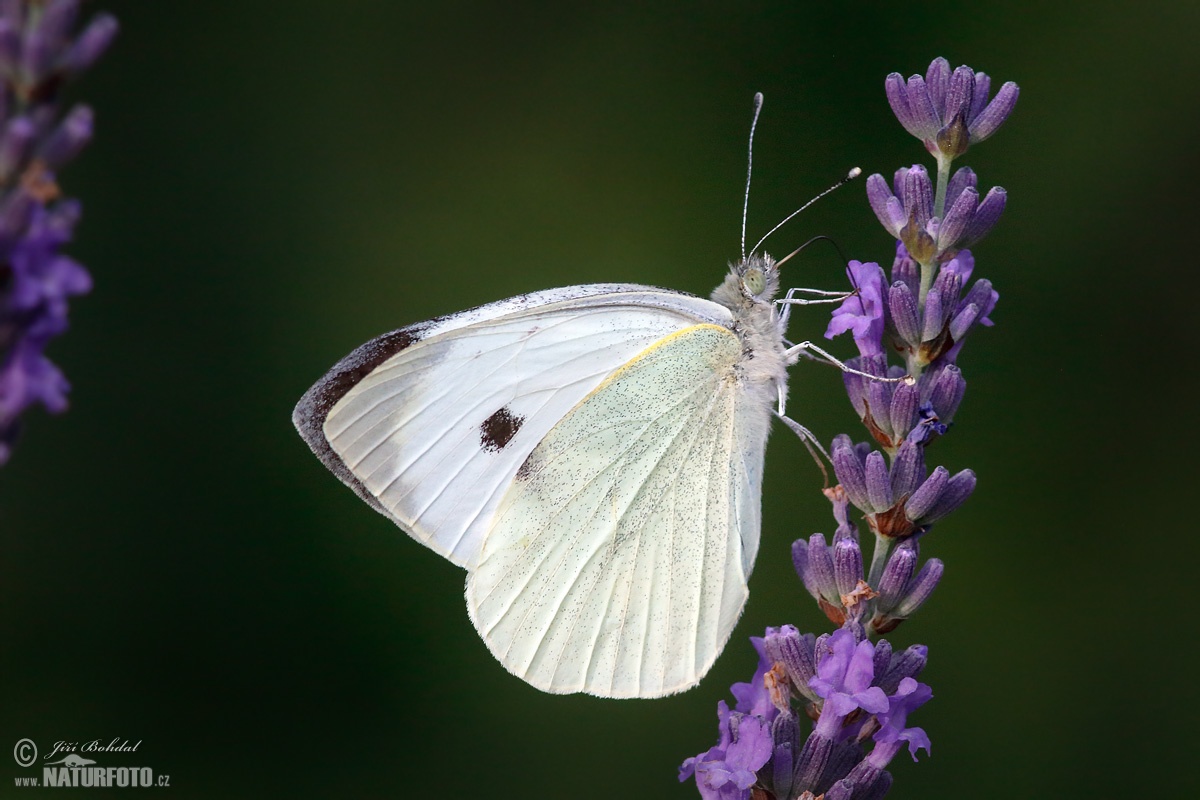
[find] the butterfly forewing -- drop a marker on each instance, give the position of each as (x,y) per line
(618,559)
(430,424)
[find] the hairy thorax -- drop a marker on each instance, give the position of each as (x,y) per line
(748,291)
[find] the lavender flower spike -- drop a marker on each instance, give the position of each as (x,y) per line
(858,692)
(37,54)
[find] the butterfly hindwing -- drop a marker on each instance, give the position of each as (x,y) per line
(618,559)
(430,424)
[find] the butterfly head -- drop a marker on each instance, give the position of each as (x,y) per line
(758,278)
(751,281)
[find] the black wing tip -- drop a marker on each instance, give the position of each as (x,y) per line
(314,406)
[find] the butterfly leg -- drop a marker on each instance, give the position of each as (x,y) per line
(813,353)
(810,442)
(788,300)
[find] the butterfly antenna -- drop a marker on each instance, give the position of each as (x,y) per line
(851,175)
(758,101)
(821,238)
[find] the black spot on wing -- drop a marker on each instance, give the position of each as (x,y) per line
(499,429)
(310,413)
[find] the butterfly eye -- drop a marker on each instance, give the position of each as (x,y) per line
(754,282)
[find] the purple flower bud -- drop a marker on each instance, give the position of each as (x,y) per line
(908,469)
(874,365)
(903,413)
(797,654)
(71,136)
(810,764)
(848,465)
(927,494)
(944,387)
(984,218)
(937,78)
(963,265)
(984,296)
(785,733)
(27,378)
(907,664)
(952,138)
(901,564)
(15,145)
(956,492)
(912,104)
(847,566)
(821,582)
(919,589)
(902,303)
(935,312)
(917,197)
(856,386)
(879,484)
(962,321)
(879,397)
(922,106)
(894,89)
(983,87)
(906,269)
(960,214)
(963,178)
(881,404)
(865,782)
(800,562)
(993,116)
(91,44)
(887,206)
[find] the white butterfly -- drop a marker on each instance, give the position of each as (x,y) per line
(591,455)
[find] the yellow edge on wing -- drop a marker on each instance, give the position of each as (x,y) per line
(616,373)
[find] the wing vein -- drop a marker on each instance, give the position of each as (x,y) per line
(588,484)
(671,488)
(580,531)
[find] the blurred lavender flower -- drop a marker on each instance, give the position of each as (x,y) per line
(859,693)
(38,53)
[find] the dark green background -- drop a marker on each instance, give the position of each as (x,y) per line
(273,183)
